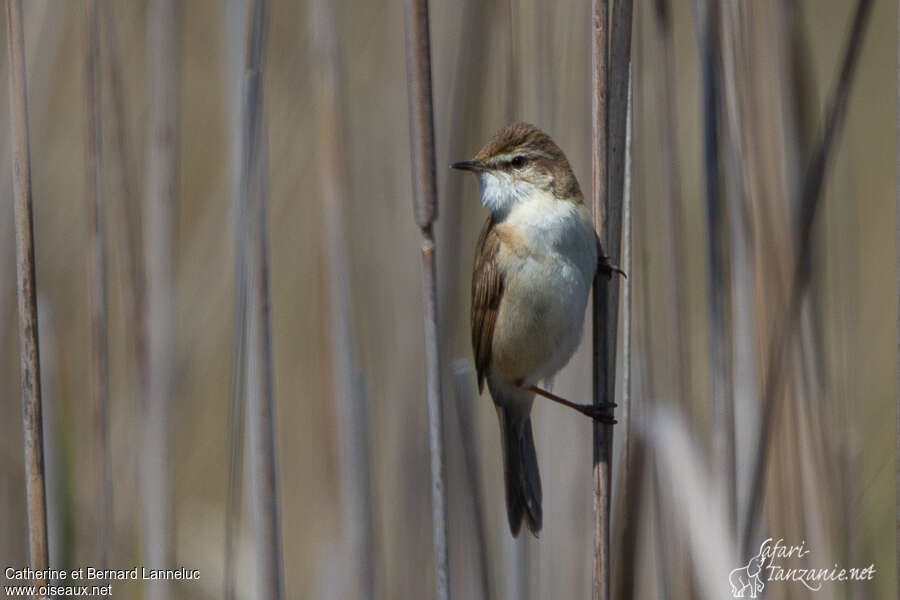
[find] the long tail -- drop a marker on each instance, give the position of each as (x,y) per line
(520,468)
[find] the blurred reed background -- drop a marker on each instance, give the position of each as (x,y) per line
(346,308)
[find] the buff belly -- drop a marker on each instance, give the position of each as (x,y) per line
(541,316)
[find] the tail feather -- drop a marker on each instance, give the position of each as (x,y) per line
(520,469)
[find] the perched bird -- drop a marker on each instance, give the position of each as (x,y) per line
(535,262)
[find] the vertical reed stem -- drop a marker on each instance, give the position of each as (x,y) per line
(99,355)
(810,198)
(610,60)
(425,210)
(466,403)
(262,441)
(353,418)
(162,40)
(664,59)
(631,472)
(128,223)
(719,349)
(236,41)
(30,370)
(602,454)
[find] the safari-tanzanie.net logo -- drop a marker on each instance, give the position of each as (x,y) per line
(773,564)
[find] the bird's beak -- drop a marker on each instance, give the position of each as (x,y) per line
(469,165)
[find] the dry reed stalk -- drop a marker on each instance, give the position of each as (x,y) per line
(810,197)
(689,495)
(466,111)
(353,418)
(124,214)
(723,445)
(99,354)
(503,17)
(7,252)
(425,211)
(260,399)
(602,434)
(544,45)
(610,59)
(127,216)
(631,471)
(645,365)
(679,344)
(235,40)
(898,297)
(465,415)
(29,361)
(742,200)
(634,483)
(54,453)
(45,38)
(162,48)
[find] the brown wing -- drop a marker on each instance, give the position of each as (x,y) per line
(487,290)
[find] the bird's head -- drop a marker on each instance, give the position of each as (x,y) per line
(518,162)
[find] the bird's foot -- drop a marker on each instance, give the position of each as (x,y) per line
(610,268)
(598,412)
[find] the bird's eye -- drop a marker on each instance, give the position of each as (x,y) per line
(518,162)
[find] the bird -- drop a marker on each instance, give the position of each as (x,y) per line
(535,263)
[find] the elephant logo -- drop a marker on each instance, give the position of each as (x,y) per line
(747,578)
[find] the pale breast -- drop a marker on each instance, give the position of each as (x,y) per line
(549,256)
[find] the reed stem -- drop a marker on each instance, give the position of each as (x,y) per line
(30,371)
(810,199)
(99,354)
(353,418)
(602,436)
(610,60)
(261,436)
(162,43)
(425,210)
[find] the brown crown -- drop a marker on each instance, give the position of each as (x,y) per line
(519,136)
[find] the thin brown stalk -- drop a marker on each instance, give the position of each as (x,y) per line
(353,417)
(160,198)
(46,38)
(425,210)
(610,58)
(99,354)
(35,494)
(42,41)
(810,198)
(261,432)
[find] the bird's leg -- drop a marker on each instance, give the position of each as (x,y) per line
(596,412)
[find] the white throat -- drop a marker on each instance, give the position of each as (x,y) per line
(499,194)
